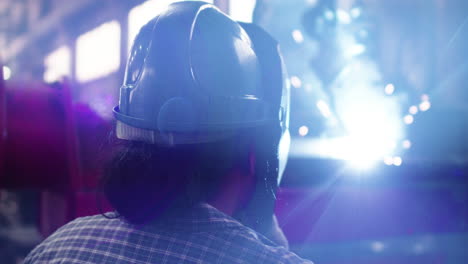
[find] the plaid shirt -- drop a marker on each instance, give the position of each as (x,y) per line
(203,235)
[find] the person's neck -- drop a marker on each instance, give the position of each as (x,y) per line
(226,203)
(232,194)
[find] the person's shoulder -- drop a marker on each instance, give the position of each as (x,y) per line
(72,231)
(250,247)
(280,255)
(99,221)
(284,256)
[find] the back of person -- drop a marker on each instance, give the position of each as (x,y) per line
(202,141)
(203,235)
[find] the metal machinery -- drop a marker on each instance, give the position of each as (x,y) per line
(52,147)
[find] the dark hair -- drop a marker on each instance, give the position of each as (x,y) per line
(142,181)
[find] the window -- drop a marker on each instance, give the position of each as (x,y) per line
(57,64)
(98,52)
(6,73)
(242,10)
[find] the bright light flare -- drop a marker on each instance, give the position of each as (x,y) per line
(297,36)
(388,161)
(303,131)
(356,49)
(397,161)
(424,106)
(360,153)
(324,108)
(355,12)
(296,82)
(361,163)
(408,119)
(371,133)
(413,110)
(406,144)
(364,153)
(371,122)
(389,89)
(343,16)
(349,45)
(6,73)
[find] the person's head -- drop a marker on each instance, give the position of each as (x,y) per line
(202,116)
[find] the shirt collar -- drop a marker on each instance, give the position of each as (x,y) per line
(200,218)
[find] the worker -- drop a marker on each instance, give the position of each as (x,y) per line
(202,142)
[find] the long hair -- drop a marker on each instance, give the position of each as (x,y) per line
(143,181)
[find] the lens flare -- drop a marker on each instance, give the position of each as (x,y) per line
(389,89)
(324,108)
(297,36)
(424,106)
(303,131)
(408,119)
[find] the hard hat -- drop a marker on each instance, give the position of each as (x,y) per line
(194,75)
